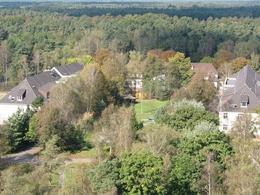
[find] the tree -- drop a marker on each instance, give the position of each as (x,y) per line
(193,164)
(16,128)
(238,63)
(255,61)
(136,63)
(185,114)
(159,139)
(4,61)
(201,90)
(115,130)
(105,176)
(51,149)
(141,173)
(51,122)
(243,173)
(178,71)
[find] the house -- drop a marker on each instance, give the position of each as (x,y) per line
(240,94)
(67,70)
(207,70)
(135,84)
(22,96)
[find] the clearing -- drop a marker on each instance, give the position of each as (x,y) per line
(145,109)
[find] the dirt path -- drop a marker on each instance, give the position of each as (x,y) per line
(27,156)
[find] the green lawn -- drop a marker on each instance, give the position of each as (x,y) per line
(146,108)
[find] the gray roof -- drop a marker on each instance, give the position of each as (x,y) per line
(30,86)
(246,88)
(38,85)
(69,69)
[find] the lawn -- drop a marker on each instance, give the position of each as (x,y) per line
(145,109)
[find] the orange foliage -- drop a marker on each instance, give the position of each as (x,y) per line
(163,55)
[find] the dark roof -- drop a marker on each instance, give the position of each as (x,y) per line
(246,88)
(31,86)
(11,97)
(39,85)
(69,69)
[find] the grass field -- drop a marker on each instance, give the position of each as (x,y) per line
(146,108)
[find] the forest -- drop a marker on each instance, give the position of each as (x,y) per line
(33,41)
(90,139)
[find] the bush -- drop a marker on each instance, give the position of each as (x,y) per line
(184,115)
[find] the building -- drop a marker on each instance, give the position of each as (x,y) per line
(240,94)
(22,96)
(207,70)
(135,84)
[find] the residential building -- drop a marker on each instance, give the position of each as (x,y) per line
(207,70)
(240,94)
(135,83)
(22,96)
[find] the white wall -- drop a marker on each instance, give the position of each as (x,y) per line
(7,110)
(232,117)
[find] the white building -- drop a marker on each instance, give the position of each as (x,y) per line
(240,94)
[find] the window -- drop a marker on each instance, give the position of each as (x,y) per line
(225,127)
(19,98)
(225,116)
(244,104)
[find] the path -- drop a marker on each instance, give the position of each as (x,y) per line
(27,156)
(74,161)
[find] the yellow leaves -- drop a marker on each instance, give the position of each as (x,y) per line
(239,63)
(84,59)
(177,57)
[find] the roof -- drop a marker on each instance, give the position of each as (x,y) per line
(204,68)
(69,69)
(245,87)
(30,86)
(39,85)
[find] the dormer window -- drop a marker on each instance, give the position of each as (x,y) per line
(244,101)
(21,95)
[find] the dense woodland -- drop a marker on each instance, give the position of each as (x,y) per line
(33,41)
(92,140)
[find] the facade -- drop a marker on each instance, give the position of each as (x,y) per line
(207,70)
(240,94)
(22,96)
(135,83)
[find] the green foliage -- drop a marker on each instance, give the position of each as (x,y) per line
(26,179)
(31,135)
(141,173)
(105,176)
(38,102)
(51,148)
(187,166)
(184,115)
(51,122)
(16,129)
(178,71)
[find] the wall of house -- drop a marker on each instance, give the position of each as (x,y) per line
(232,117)
(7,110)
